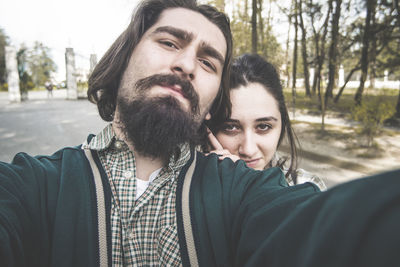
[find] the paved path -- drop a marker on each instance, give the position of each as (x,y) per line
(41,125)
(333,168)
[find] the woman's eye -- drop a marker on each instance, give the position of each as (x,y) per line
(230,128)
(264,127)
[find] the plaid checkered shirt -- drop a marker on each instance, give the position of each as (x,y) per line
(302,175)
(144,231)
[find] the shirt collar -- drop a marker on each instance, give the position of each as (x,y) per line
(177,161)
(103,140)
(106,138)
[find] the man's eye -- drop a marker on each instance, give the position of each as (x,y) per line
(169,44)
(207,64)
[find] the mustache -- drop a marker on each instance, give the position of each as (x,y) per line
(187,89)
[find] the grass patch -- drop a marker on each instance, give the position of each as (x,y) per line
(331,132)
(353,142)
(329,135)
(40,88)
(345,103)
(389,132)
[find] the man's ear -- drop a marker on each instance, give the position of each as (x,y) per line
(208,116)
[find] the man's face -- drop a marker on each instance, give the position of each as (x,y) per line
(183,43)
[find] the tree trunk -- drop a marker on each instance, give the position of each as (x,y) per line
(332,66)
(321,53)
(317,55)
(294,65)
(371,4)
(254,27)
(316,38)
(373,53)
(261,27)
(304,50)
(320,91)
(372,73)
(294,58)
(322,107)
(397,114)
(396,2)
(345,83)
(287,60)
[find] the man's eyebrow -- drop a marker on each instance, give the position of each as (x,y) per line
(212,52)
(269,118)
(178,33)
(188,37)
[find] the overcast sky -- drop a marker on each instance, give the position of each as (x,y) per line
(88,26)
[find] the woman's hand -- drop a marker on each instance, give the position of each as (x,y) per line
(218,149)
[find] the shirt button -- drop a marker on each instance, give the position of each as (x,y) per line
(128,174)
(132,235)
(118,144)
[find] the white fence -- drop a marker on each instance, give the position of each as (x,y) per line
(379,82)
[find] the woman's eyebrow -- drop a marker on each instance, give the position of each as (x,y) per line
(269,118)
(232,120)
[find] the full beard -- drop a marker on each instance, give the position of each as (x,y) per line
(157,126)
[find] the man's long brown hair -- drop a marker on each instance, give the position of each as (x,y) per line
(106,76)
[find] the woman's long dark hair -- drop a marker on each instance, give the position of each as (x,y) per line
(106,76)
(252,68)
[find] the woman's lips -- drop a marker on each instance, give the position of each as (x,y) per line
(252,162)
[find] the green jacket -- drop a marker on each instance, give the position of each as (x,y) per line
(55,211)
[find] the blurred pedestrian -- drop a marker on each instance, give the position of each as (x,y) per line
(49,88)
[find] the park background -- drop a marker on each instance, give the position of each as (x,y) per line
(339,62)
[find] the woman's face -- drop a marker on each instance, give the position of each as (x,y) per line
(253,131)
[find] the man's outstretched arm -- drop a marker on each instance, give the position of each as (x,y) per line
(23,202)
(354,224)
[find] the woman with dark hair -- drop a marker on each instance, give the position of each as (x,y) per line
(259,121)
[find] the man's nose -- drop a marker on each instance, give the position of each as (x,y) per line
(184,64)
(248,146)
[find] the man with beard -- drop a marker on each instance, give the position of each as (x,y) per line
(137,194)
(112,200)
